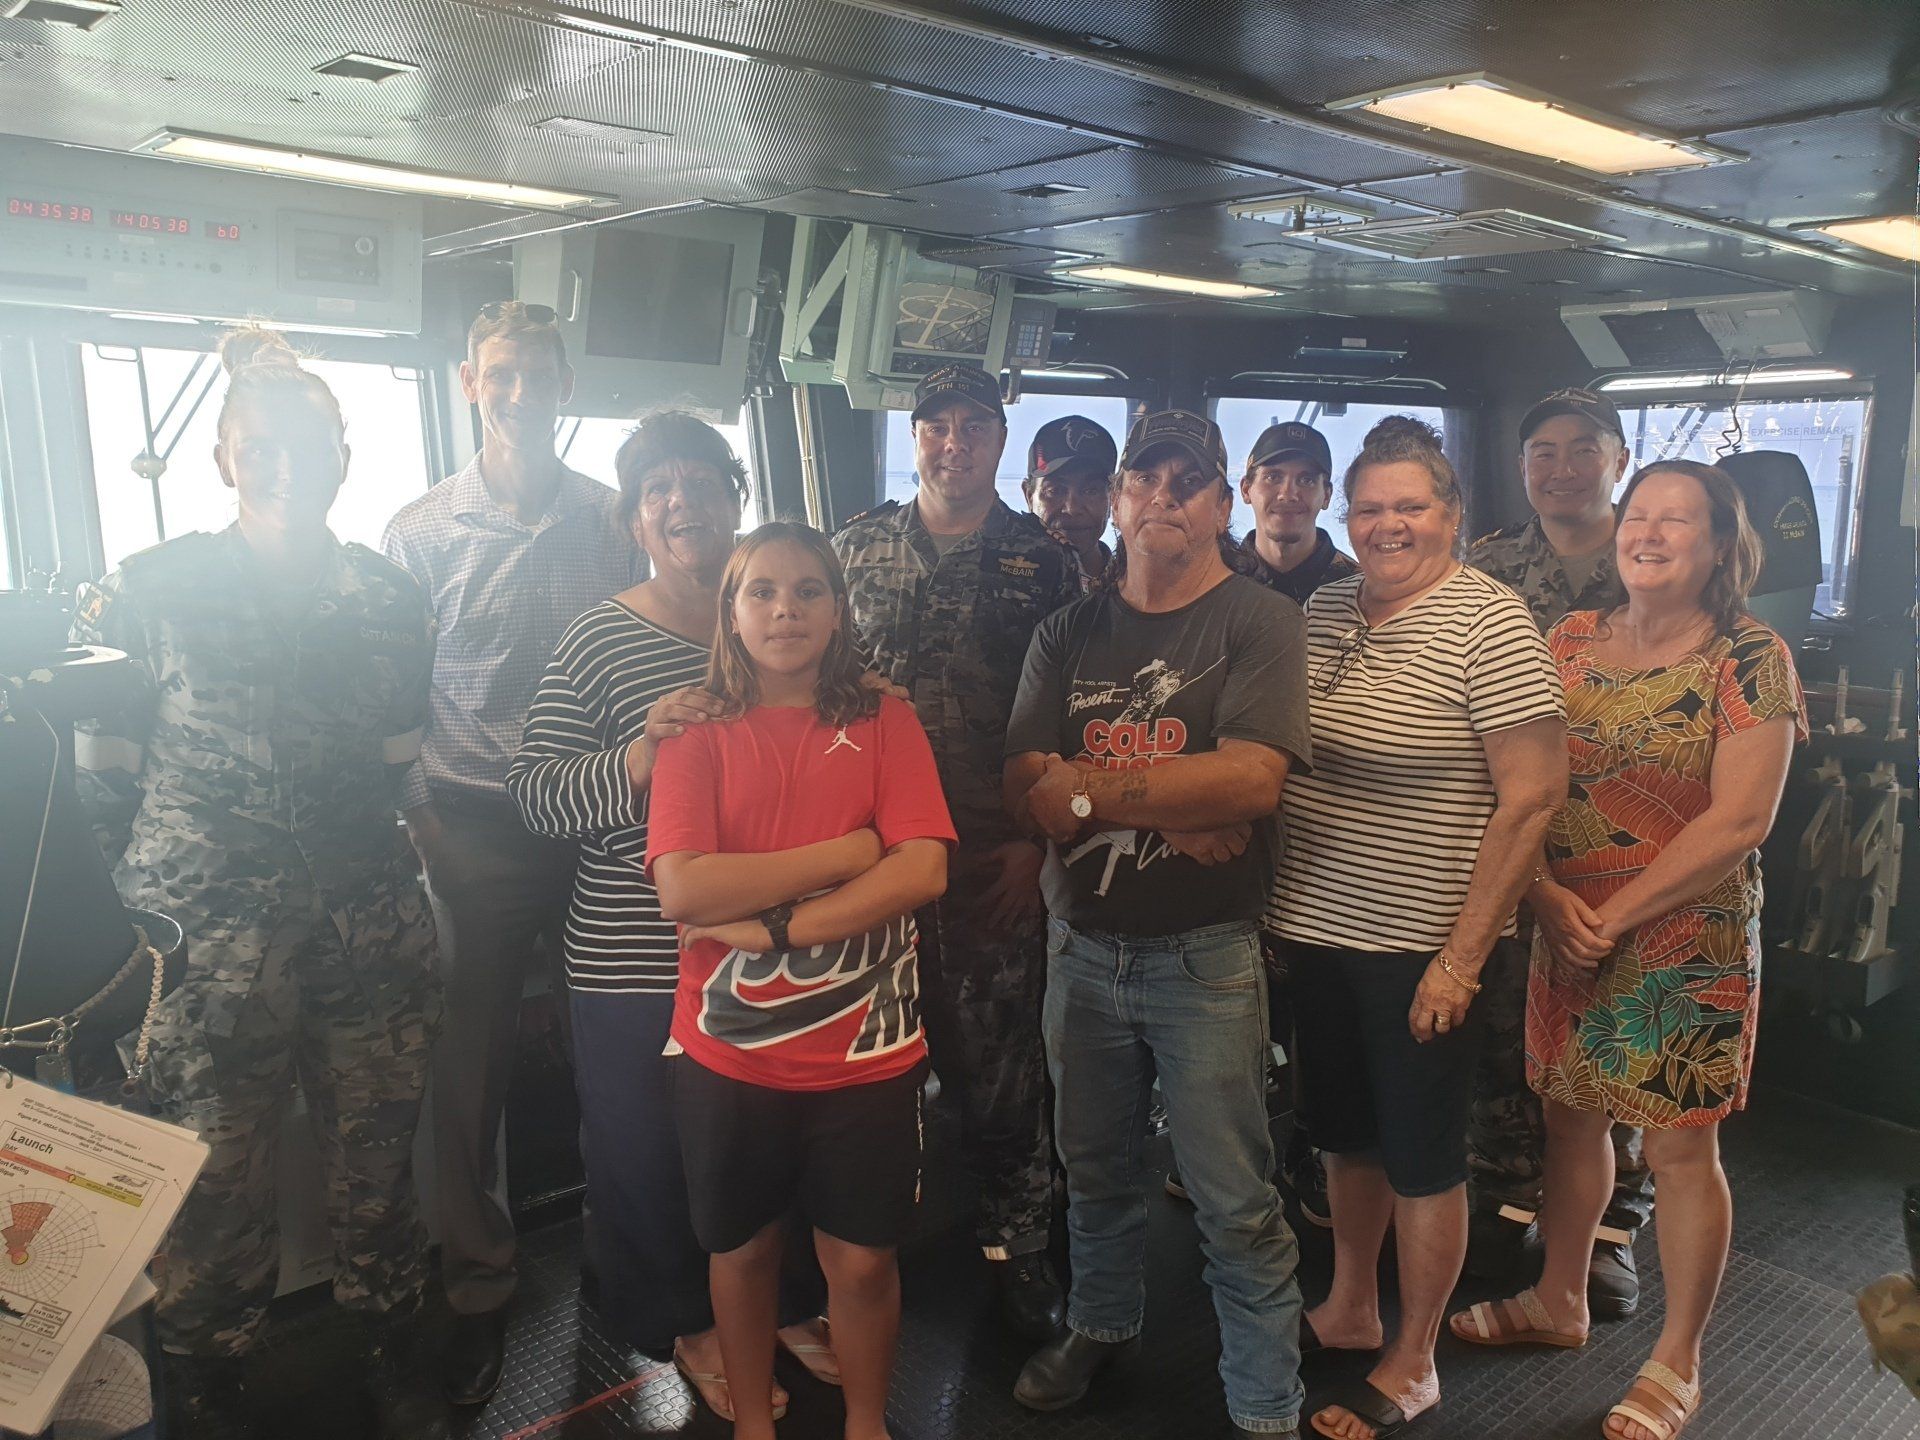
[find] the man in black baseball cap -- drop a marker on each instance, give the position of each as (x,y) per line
(1070,467)
(1573,454)
(1288,482)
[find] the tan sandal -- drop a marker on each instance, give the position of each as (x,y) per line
(1657,1387)
(1494,1322)
(711,1386)
(819,1359)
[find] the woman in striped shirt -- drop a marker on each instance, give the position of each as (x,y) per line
(1439,746)
(627,675)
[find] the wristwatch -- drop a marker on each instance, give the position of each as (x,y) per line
(775,918)
(1080,802)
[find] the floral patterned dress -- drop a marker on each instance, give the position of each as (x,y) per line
(1662,1034)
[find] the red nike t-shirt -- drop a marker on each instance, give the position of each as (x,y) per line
(775,779)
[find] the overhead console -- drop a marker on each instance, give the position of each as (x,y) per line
(91,230)
(869,310)
(1712,331)
(656,313)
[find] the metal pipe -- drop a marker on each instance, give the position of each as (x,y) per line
(812,491)
(1044,46)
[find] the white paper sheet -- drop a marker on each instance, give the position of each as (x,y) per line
(86,1195)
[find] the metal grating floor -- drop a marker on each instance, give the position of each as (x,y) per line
(1817,1216)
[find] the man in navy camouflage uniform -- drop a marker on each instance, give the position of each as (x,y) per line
(946,591)
(1573,454)
(249,790)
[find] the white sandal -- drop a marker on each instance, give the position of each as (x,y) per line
(1679,1398)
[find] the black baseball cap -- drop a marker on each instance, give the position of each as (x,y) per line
(1291,437)
(1194,434)
(1573,401)
(968,382)
(1069,443)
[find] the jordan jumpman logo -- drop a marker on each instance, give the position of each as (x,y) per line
(840,737)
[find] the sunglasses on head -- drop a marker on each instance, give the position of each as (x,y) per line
(538,314)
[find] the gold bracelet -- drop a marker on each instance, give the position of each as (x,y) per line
(1472,987)
(1541,876)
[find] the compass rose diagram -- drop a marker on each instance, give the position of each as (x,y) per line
(46,1237)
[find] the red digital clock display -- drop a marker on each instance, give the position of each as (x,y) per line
(217,231)
(21,207)
(152,224)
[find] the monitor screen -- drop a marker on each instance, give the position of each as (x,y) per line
(659,297)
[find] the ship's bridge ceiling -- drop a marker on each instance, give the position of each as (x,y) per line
(1065,129)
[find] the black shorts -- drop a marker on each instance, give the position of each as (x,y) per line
(848,1160)
(1365,1083)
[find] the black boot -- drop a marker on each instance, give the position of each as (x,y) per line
(405,1403)
(207,1398)
(1061,1373)
(475,1356)
(1613,1281)
(1031,1304)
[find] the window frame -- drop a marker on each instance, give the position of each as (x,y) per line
(1841,620)
(394,352)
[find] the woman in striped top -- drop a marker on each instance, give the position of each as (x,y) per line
(1439,745)
(627,675)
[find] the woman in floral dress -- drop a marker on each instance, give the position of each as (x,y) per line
(1682,711)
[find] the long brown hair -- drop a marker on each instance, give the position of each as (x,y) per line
(840,698)
(1739,547)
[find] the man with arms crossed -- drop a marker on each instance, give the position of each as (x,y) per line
(509,551)
(1573,453)
(1155,726)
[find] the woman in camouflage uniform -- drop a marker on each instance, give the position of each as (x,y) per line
(249,791)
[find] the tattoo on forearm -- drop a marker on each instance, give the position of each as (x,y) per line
(1132,787)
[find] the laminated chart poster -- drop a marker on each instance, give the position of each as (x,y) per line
(86,1195)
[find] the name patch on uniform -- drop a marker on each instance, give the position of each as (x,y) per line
(1018,566)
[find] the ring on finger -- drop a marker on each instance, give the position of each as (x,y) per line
(1442,1021)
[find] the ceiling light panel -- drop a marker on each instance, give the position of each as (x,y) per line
(1803,376)
(355,66)
(1180,284)
(362,174)
(1512,117)
(1895,235)
(76,14)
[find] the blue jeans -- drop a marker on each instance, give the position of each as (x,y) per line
(1192,1009)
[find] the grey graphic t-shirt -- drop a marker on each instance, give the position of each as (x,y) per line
(1110,684)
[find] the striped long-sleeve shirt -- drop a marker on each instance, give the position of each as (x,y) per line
(570,778)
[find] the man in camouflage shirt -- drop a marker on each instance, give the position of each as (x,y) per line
(946,591)
(249,790)
(1573,454)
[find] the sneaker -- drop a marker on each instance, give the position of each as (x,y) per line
(1307,1179)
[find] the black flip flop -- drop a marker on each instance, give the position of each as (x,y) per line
(1369,1404)
(1311,1345)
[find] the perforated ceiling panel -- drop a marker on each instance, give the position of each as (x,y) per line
(797,105)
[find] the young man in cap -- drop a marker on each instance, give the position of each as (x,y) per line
(1288,482)
(1156,723)
(509,551)
(945,592)
(1070,469)
(1573,454)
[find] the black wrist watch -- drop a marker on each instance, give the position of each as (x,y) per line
(775,918)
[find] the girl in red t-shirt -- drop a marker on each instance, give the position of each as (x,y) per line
(793,837)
